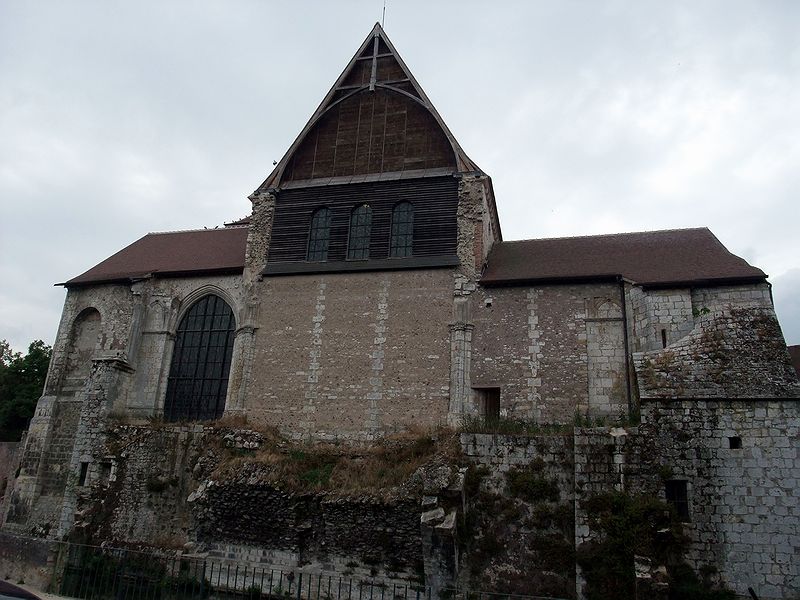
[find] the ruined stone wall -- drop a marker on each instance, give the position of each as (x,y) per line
(745,518)
(161,487)
(659,316)
(737,352)
(744,522)
(26,560)
(111,356)
(667,315)
(519,518)
(502,453)
(553,350)
(352,355)
(9,462)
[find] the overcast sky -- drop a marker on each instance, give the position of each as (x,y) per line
(120,118)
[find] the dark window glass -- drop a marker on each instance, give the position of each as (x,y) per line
(678,497)
(360,226)
(198,377)
(402,241)
(319,235)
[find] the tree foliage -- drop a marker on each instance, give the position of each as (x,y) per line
(21,383)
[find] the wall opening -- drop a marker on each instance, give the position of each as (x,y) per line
(677,494)
(84,472)
(201,362)
(489,402)
(663,338)
(735,442)
(105,473)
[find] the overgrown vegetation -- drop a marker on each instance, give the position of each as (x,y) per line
(21,383)
(520,541)
(531,485)
(386,464)
(629,526)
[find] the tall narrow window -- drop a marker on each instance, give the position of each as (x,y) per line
(402,230)
(201,362)
(319,235)
(360,227)
(677,495)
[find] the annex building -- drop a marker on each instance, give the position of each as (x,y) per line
(371,292)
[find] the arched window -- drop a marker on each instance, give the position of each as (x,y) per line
(82,345)
(319,235)
(402,241)
(360,226)
(201,362)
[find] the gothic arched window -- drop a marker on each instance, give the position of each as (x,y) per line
(319,235)
(201,362)
(402,240)
(360,228)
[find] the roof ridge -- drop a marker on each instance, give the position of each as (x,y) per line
(204,229)
(600,235)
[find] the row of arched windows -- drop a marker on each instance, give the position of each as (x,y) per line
(401,242)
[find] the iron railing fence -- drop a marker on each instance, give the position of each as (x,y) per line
(93,573)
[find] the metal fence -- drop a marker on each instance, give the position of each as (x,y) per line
(92,573)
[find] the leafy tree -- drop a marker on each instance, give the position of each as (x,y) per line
(21,383)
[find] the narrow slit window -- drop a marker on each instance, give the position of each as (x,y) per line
(402,241)
(360,229)
(319,235)
(83,474)
(663,338)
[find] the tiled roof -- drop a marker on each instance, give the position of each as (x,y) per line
(175,253)
(656,258)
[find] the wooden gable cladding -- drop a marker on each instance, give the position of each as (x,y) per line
(435,200)
(379,131)
(375,120)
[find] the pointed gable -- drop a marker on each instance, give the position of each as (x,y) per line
(375,120)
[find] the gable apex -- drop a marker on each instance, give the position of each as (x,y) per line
(375,119)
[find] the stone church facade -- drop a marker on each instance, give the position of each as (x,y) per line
(370,291)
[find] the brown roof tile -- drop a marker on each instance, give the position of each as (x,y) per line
(656,258)
(175,253)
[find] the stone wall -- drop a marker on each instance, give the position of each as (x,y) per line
(744,522)
(737,352)
(24,560)
(188,488)
(554,351)
(10,453)
(352,356)
(519,518)
(745,518)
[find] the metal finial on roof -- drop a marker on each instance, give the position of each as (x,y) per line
(383,17)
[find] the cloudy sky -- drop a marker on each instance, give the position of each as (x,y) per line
(119,118)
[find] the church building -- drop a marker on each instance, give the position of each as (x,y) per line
(370,291)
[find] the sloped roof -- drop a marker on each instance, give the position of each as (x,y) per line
(654,258)
(174,253)
(375,65)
